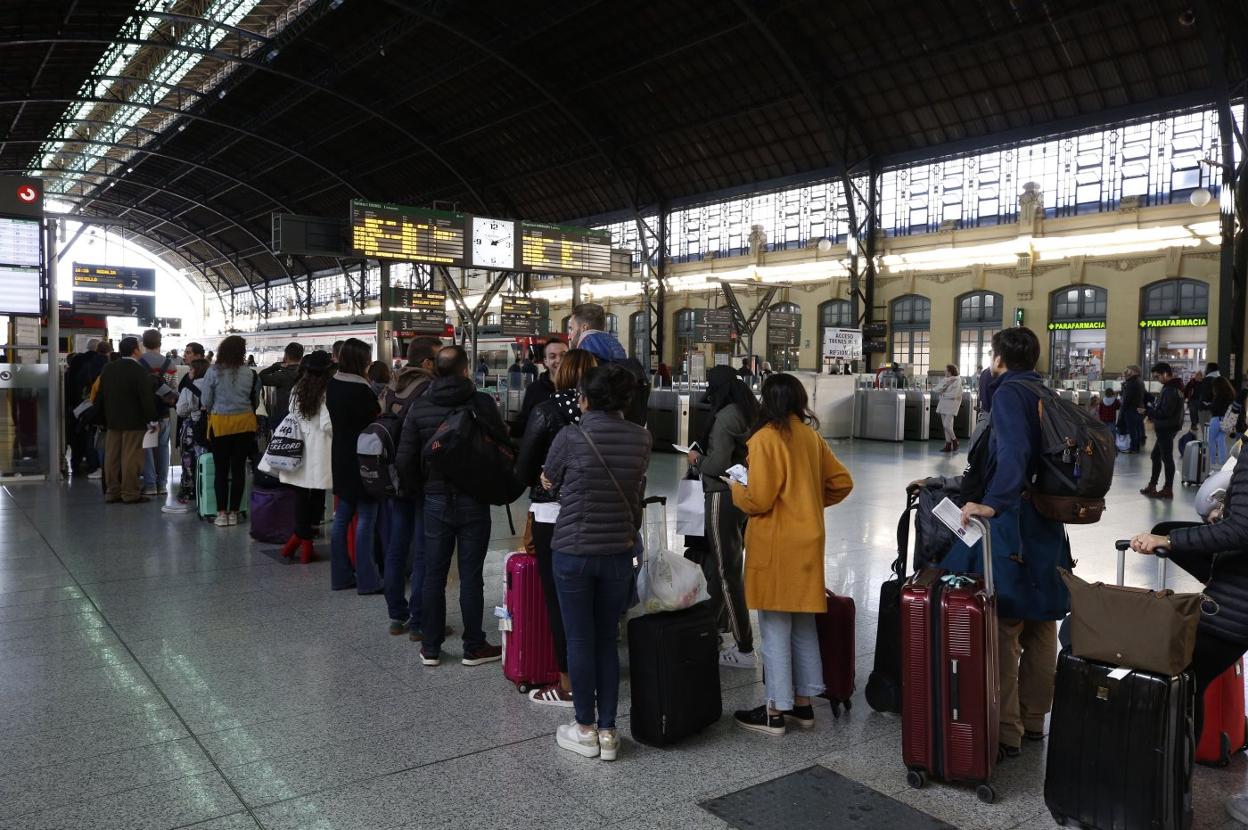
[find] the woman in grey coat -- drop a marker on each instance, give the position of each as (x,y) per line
(599,470)
(734,410)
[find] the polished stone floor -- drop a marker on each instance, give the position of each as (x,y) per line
(156,672)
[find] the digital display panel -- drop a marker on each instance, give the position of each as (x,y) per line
(716,326)
(19,290)
(115,291)
(385,231)
(561,249)
(784,328)
(19,242)
(525,316)
(416,310)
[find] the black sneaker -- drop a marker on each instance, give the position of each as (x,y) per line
(759,720)
(1034,736)
(397,627)
(803,716)
(1007,751)
(481,655)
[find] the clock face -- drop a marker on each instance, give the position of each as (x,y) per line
(493,243)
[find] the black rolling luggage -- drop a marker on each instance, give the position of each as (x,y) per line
(673,660)
(1120,748)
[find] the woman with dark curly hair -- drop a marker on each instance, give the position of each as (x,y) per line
(231,395)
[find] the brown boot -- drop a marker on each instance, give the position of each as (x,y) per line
(1167,493)
(1150,491)
(947,447)
(956,445)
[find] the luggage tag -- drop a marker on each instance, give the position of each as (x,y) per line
(504,618)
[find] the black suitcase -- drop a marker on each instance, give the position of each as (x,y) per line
(884,683)
(1120,748)
(673,661)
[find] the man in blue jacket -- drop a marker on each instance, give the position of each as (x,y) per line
(1027,549)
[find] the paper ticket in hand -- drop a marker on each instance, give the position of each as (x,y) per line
(739,474)
(951,515)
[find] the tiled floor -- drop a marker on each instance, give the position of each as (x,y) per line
(156,672)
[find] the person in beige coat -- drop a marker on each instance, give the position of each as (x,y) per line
(793,476)
(949,400)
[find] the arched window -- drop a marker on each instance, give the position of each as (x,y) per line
(979,318)
(911,343)
(833,314)
(1174,298)
(686,325)
(1077,332)
(784,330)
(563,324)
(1174,317)
(639,336)
(613,325)
(1078,302)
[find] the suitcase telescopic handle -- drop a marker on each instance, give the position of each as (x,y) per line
(654,500)
(987,538)
(1124,545)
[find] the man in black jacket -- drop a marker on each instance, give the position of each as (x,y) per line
(453,519)
(1167,421)
(1131,418)
(127,397)
(542,389)
(281,377)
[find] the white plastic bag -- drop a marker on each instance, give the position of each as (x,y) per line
(690,508)
(666,581)
(285,450)
(1123,441)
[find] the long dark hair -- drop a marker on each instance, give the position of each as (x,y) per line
(784,397)
(232,352)
(724,387)
(313,380)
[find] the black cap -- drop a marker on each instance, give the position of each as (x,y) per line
(316,362)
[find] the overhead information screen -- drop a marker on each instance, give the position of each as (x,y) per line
(115,291)
(417,310)
(561,249)
(410,234)
(524,316)
(21,255)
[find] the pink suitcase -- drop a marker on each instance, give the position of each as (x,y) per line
(528,647)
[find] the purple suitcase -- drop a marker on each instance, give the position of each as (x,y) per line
(272,514)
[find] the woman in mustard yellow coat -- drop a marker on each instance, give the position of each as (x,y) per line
(793,476)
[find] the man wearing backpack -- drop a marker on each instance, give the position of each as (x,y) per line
(405,547)
(1027,548)
(455,516)
(587,330)
(164,376)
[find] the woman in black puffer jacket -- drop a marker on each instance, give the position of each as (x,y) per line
(544,423)
(1217,555)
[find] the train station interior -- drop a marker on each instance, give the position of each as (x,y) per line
(858,195)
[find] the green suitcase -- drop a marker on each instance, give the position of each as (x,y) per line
(205,488)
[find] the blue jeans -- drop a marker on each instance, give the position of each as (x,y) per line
(156,460)
(594,593)
(405,549)
(792,664)
(366,578)
(454,520)
(1217,443)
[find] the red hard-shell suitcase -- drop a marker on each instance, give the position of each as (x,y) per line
(951,696)
(1225,729)
(836,646)
(528,646)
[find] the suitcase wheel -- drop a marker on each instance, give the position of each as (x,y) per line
(985,793)
(916,778)
(523,688)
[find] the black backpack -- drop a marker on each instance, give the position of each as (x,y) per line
(471,459)
(377,447)
(1075,467)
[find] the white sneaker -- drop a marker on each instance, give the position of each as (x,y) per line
(232,518)
(98,474)
(734,658)
(1237,807)
(570,737)
(222,520)
(149,491)
(608,744)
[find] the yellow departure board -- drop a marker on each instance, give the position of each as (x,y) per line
(410,234)
(561,249)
